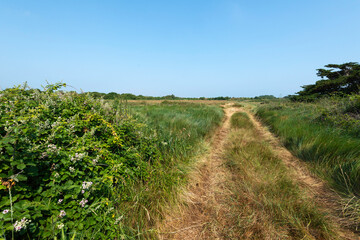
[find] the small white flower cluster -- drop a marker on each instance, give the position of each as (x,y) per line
(52,148)
(21,224)
(86,185)
(77,157)
(62,213)
(44,125)
(71,169)
(83,202)
(60,225)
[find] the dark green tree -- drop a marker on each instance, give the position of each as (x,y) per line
(337,79)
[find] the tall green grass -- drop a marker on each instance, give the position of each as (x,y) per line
(180,126)
(333,151)
(179,130)
(266,202)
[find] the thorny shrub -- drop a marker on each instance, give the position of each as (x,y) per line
(67,163)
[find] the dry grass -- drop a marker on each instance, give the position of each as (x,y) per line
(150,102)
(274,197)
(202,211)
(248,188)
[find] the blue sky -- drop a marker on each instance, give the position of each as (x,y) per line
(189,48)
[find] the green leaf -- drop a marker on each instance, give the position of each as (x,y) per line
(21,166)
(22,177)
(80,226)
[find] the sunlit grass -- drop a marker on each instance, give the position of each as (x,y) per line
(180,131)
(266,202)
(332,151)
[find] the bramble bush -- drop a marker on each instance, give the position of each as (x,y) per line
(66,164)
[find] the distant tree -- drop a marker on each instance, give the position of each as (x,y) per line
(338,79)
(128,96)
(112,95)
(97,94)
(170,97)
(265,97)
(220,98)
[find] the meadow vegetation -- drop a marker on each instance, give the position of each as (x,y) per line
(73,167)
(325,134)
(266,203)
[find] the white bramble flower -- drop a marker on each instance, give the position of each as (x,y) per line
(60,225)
(62,213)
(86,185)
(52,148)
(5,211)
(21,224)
(77,157)
(83,202)
(60,200)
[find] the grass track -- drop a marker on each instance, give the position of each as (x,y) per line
(266,202)
(333,153)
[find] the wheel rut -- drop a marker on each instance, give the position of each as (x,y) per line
(204,207)
(201,216)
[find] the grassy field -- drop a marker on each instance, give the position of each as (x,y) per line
(266,202)
(75,167)
(180,129)
(325,134)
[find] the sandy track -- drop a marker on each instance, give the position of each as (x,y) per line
(201,215)
(203,212)
(317,189)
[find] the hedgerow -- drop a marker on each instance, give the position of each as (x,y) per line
(66,164)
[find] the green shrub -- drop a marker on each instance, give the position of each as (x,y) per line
(67,162)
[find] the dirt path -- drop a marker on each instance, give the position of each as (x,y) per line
(201,216)
(203,212)
(327,199)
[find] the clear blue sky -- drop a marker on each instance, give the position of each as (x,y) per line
(189,48)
